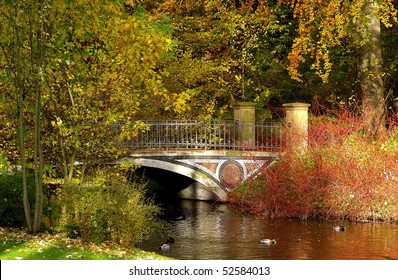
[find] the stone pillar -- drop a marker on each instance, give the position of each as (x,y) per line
(297,124)
(245,120)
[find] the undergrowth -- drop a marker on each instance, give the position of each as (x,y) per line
(342,174)
(108,208)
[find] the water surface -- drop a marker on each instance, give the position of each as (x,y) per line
(209,231)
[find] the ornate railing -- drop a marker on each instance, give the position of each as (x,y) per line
(212,135)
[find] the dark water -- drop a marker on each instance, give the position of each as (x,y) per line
(216,231)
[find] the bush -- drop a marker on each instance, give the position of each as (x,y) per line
(342,174)
(11,194)
(110,208)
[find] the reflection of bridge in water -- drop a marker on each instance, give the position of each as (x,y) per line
(218,155)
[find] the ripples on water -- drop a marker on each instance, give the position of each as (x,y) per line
(216,231)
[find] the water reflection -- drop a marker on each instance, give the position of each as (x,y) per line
(217,231)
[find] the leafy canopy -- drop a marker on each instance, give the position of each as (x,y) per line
(326,24)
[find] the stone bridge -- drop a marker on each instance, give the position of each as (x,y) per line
(218,155)
(215,171)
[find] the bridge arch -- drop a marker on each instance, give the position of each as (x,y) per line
(204,188)
(215,173)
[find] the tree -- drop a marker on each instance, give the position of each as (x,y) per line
(74,70)
(325,25)
(105,66)
(226,51)
(23,50)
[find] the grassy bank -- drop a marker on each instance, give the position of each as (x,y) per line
(17,244)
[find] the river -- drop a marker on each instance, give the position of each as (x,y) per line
(208,231)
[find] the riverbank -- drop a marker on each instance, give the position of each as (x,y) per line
(343,174)
(18,244)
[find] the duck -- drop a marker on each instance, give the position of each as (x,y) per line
(166,246)
(339,228)
(268,241)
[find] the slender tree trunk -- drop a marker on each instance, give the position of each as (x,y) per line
(37,62)
(38,158)
(18,82)
(25,197)
(71,166)
(370,71)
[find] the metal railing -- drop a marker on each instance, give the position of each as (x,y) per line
(194,134)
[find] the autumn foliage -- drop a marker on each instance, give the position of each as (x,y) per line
(344,174)
(109,208)
(325,25)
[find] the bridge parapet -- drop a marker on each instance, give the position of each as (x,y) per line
(205,135)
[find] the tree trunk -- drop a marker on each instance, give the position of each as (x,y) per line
(38,158)
(370,71)
(37,62)
(25,198)
(20,97)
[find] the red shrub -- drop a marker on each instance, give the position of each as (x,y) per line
(342,174)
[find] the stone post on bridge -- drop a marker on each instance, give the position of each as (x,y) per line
(245,120)
(296,124)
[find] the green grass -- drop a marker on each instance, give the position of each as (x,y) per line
(16,244)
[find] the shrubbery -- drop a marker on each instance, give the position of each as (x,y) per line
(342,174)
(109,208)
(11,193)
